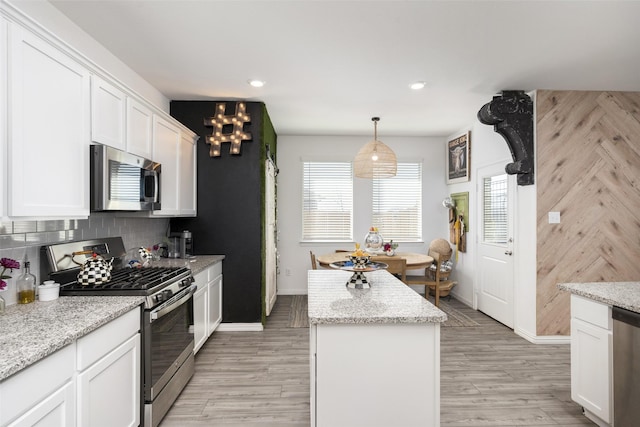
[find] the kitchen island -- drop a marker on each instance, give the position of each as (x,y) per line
(375,353)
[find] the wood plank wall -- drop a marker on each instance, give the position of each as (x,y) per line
(588,149)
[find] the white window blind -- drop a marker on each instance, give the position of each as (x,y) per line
(327,212)
(495,210)
(397,204)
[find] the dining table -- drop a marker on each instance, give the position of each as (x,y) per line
(415,261)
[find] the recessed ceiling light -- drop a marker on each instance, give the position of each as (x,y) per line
(256,83)
(417,85)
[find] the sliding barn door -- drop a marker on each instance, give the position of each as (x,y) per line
(271,253)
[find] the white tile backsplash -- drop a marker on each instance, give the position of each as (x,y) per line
(26,237)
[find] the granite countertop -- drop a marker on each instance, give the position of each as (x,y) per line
(387,301)
(33,331)
(619,294)
(196,263)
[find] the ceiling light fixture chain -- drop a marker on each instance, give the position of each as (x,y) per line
(375,120)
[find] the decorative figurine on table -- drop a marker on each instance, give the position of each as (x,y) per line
(145,256)
(373,241)
(360,259)
(390,248)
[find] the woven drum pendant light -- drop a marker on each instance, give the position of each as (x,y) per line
(375,159)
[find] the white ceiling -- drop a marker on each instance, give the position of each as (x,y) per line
(332,65)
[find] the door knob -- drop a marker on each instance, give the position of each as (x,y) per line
(508,253)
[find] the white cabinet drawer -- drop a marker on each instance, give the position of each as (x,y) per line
(596,313)
(104,339)
(201,279)
(215,270)
(25,389)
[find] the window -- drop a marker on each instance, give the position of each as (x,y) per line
(397,204)
(495,210)
(327,211)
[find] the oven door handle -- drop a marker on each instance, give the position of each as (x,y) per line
(163,310)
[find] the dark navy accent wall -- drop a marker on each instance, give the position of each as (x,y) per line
(229,218)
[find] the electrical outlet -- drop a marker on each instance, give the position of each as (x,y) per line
(287,272)
(554,217)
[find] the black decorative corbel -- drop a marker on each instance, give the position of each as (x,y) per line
(511,115)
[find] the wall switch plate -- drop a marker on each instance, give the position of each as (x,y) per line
(554,217)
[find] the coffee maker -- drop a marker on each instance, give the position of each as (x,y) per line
(180,244)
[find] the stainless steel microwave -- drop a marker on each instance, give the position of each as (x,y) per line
(122,181)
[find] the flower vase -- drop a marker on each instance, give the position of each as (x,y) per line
(2,305)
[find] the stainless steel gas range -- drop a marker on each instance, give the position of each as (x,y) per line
(167,322)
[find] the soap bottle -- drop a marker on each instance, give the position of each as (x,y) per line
(26,285)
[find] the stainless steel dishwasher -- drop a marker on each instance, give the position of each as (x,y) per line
(626,367)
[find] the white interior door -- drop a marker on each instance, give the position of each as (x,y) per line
(495,280)
(270,238)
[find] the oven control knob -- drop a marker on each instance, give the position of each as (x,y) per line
(166,294)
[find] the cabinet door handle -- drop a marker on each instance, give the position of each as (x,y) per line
(508,253)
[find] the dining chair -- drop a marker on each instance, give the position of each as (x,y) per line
(398,267)
(314,264)
(443,248)
(438,284)
(342,250)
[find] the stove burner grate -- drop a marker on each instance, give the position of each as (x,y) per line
(129,280)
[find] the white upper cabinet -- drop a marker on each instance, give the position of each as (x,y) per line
(108,109)
(188,176)
(3,117)
(139,129)
(166,138)
(175,150)
(53,105)
(48,144)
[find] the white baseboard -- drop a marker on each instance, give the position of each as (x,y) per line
(240,327)
(543,339)
(291,292)
(593,417)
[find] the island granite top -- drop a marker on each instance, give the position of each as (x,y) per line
(387,301)
(619,294)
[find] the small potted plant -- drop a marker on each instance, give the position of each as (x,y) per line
(390,248)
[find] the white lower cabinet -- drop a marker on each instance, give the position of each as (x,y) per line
(43,394)
(95,381)
(112,382)
(207,304)
(591,358)
(215,303)
(55,411)
(200,311)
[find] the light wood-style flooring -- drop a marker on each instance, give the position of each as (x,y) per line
(489,377)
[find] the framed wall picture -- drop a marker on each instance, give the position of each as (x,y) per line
(458,160)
